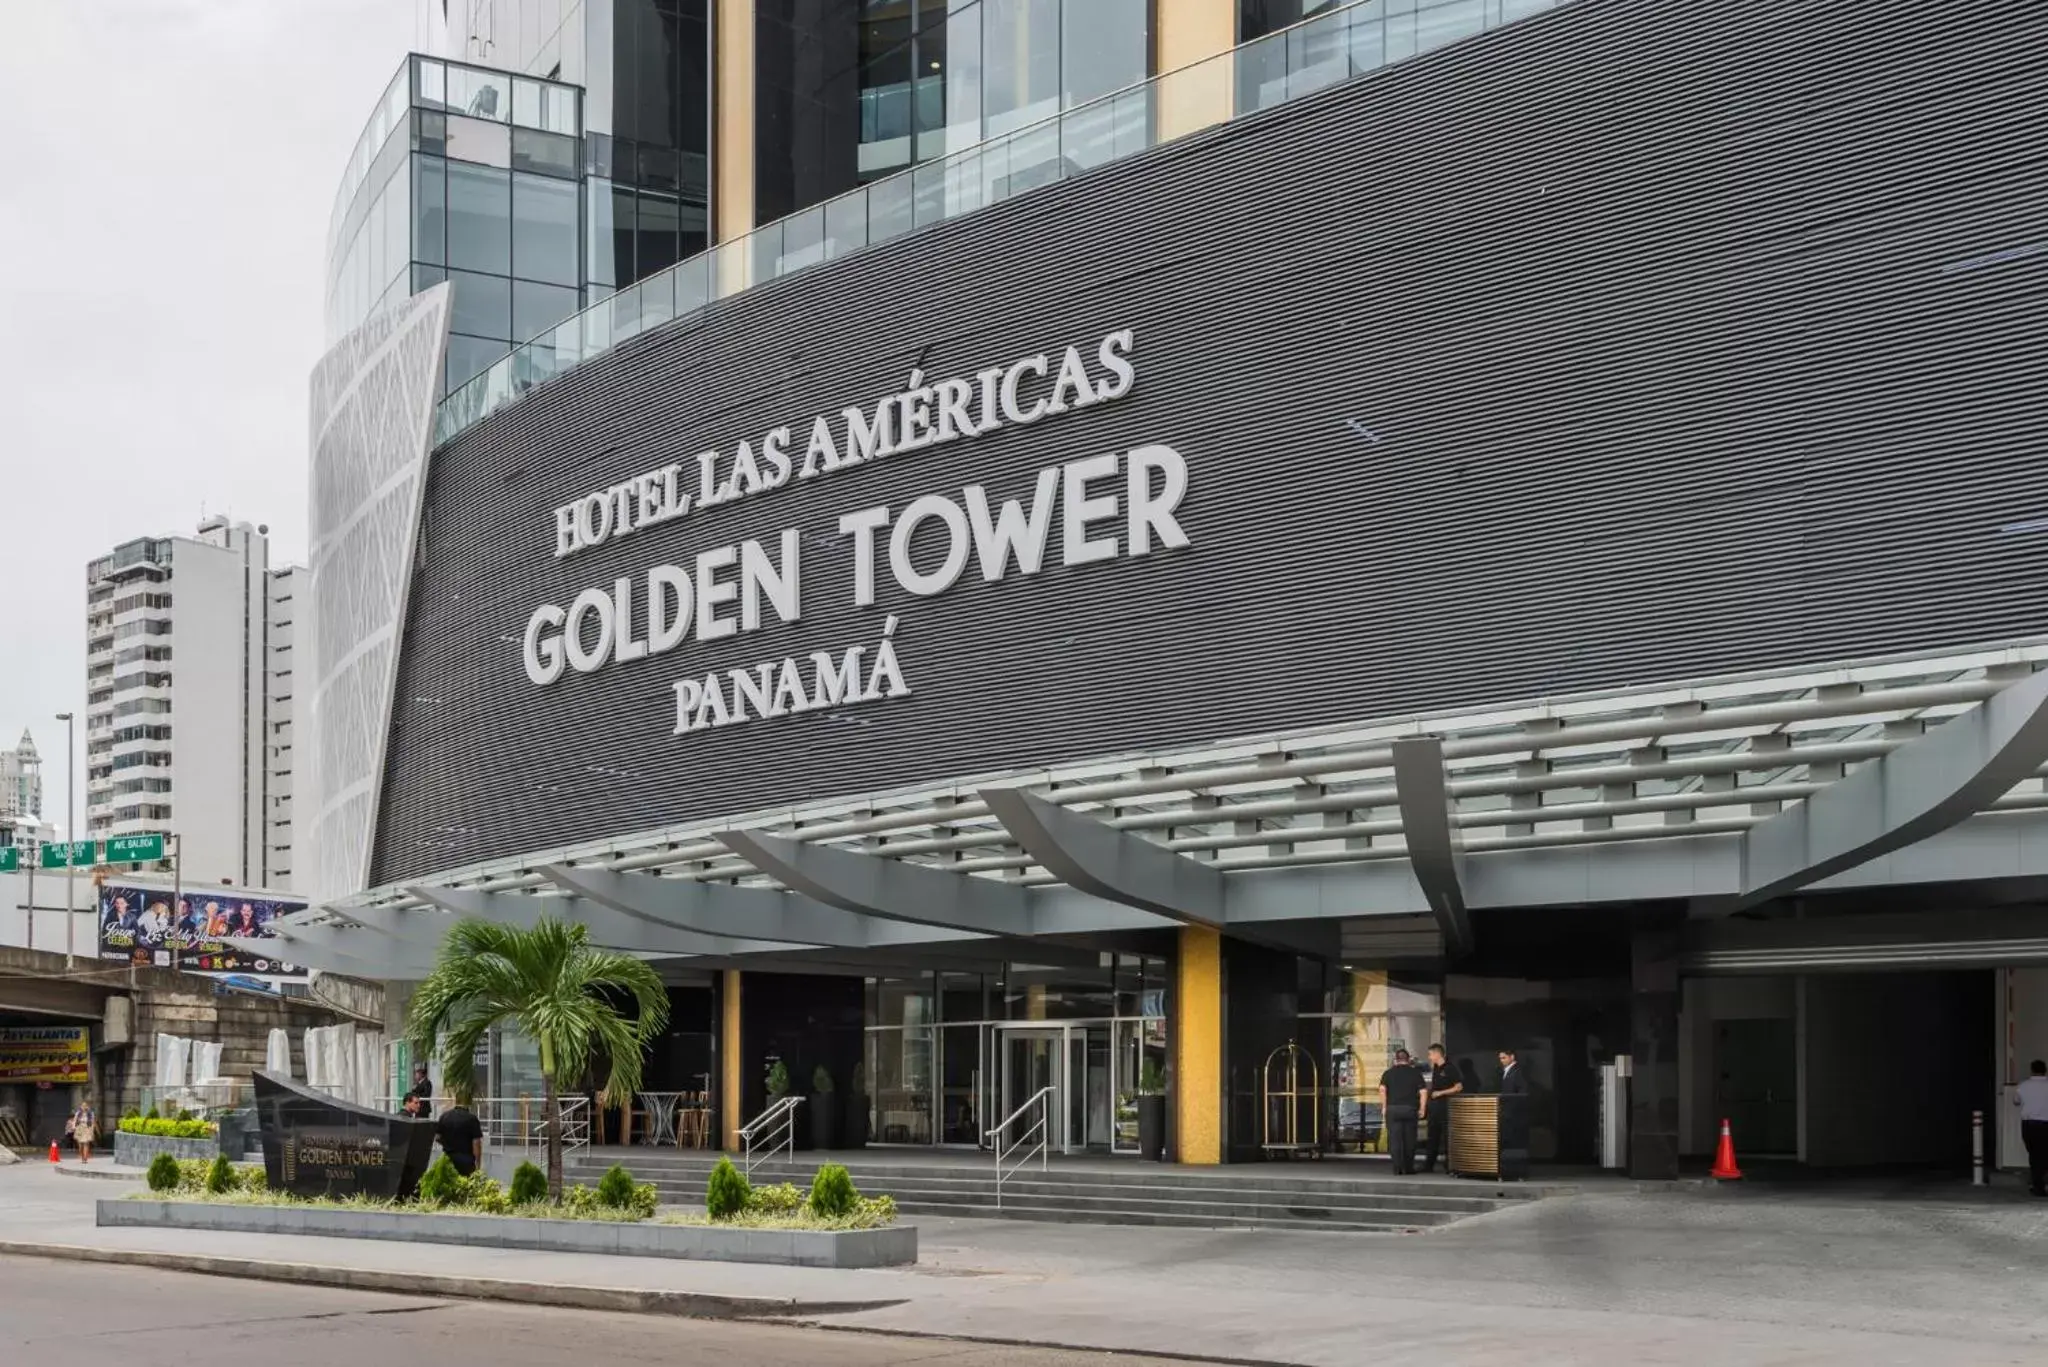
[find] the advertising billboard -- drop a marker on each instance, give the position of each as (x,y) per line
(56,1054)
(154,926)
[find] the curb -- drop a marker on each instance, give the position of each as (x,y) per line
(106,1174)
(691,1304)
(1049,1345)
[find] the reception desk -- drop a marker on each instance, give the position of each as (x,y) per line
(1490,1137)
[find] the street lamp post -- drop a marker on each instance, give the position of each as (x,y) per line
(70,836)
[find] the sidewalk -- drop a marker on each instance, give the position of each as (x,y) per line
(1681,1277)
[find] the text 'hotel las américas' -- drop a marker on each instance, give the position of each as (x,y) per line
(1111,506)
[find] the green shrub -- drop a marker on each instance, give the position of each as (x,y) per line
(832,1192)
(132,1113)
(149,1114)
(192,1173)
(821,1081)
(482,1194)
(780,1199)
(778,1079)
(615,1188)
(875,1211)
(184,1114)
(163,1173)
(440,1184)
(529,1185)
(726,1191)
(167,1129)
(220,1177)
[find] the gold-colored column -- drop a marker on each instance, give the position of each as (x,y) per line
(1193,92)
(732,153)
(729,1059)
(1197,1027)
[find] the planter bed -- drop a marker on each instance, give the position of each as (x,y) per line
(889,1247)
(135,1150)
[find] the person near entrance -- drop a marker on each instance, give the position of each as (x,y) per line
(1400,1105)
(1512,1083)
(2031,1097)
(419,1102)
(1440,1082)
(461,1136)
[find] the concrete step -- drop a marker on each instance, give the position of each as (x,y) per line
(1232,1178)
(1424,1205)
(1233,1197)
(1222,1210)
(1093,1216)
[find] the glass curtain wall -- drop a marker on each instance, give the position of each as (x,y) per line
(852,90)
(1364,1016)
(496,207)
(474,178)
(369,254)
(649,178)
(1350,39)
(950,1054)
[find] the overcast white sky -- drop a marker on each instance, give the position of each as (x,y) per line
(166,172)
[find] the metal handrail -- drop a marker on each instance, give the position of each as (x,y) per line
(778,1122)
(1042,1098)
(517,1122)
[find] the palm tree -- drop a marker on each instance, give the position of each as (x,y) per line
(555,987)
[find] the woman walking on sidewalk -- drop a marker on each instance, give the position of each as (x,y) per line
(84,1130)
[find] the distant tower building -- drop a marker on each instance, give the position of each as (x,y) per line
(21,793)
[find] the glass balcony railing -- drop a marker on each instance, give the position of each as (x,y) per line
(1260,75)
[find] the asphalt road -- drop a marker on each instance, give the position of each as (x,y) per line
(60,1314)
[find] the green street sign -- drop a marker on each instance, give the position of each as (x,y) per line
(79,855)
(135,849)
(10,859)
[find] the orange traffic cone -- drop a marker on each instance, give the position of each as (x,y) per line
(1724,1158)
(53,1151)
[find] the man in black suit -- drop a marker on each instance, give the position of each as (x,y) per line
(1514,1118)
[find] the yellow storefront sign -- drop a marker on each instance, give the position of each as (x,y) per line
(58,1054)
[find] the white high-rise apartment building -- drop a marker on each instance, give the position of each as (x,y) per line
(188,700)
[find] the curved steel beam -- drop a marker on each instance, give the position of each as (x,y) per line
(1921,788)
(888,888)
(1422,792)
(333,951)
(720,909)
(612,929)
(422,930)
(1109,863)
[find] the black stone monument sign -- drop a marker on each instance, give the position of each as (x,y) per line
(316,1145)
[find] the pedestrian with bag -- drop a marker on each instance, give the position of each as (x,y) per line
(84,1129)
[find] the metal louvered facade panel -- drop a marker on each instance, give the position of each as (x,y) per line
(1637,342)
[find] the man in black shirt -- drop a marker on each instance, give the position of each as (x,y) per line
(461,1136)
(419,1102)
(1400,1105)
(1440,1083)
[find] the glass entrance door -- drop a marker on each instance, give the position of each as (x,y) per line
(1034,1058)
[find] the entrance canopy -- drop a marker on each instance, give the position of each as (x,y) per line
(1723,794)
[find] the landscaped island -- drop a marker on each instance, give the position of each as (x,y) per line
(832,1225)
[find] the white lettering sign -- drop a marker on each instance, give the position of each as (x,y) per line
(1107,506)
(921,416)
